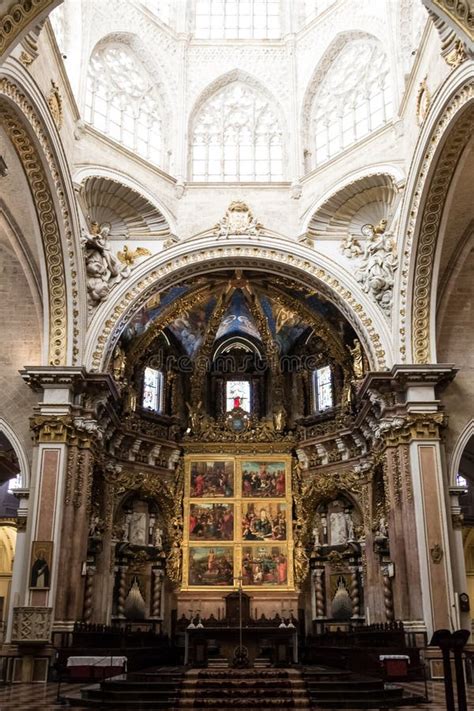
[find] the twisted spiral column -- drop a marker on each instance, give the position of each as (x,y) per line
(157,590)
(87,614)
(354,592)
(387,595)
(319,593)
(122,592)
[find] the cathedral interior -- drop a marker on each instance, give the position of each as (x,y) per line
(237,354)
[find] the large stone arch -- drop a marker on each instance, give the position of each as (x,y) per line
(15,442)
(444,136)
(205,256)
(30,127)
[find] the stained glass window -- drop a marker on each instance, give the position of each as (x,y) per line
(237,137)
(354,99)
(322,389)
(122,100)
(153,390)
(238,395)
(237,19)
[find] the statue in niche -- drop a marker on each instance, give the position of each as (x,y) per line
(138,528)
(118,363)
(349,525)
(158,538)
(316,536)
(338,528)
(103,268)
(382,531)
(126,527)
(357,359)
(378,265)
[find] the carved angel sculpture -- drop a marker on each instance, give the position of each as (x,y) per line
(103,269)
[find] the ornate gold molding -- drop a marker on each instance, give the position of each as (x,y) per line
(55,103)
(460,12)
(17,18)
(429,229)
(55,258)
(230,256)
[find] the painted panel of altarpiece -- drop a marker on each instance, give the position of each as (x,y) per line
(237,522)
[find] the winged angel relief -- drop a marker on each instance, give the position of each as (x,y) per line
(104,269)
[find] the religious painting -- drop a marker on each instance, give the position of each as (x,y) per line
(211,565)
(211,522)
(263,521)
(263,479)
(40,570)
(264,565)
(212,479)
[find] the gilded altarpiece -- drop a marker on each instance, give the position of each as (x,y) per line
(237,523)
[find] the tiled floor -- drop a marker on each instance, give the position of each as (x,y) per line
(435,694)
(42,697)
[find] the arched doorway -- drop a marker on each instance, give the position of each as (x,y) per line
(9,480)
(465,477)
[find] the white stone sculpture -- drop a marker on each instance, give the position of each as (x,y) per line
(377,267)
(138,529)
(350,247)
(316,537)
(238,220)
(103,268)
(349,526)
(338,528)
(158,538)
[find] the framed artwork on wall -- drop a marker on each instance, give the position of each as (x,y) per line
(211,521)
(40,568)
(213,478)
(211,565)
(263,479)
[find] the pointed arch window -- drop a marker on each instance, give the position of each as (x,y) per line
(122,101)
(153,382)
(353,100)
(237,137)
(323,397)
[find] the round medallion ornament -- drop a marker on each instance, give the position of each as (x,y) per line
(237,420)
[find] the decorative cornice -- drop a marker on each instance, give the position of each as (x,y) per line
(18,17)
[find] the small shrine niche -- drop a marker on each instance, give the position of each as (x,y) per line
(336,563)
(139,562)
(139,522)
